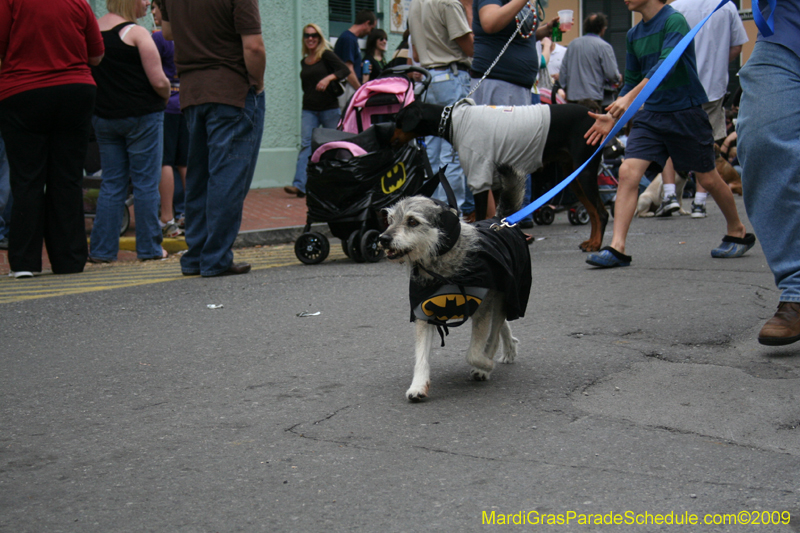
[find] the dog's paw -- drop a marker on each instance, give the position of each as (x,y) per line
(590,246)
(417,394)
(509,352)
(479,375)
(647,214)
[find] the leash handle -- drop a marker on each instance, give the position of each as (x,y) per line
(648,89)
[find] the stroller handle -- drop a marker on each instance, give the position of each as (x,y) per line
(403,70)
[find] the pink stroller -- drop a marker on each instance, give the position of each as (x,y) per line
(354,172)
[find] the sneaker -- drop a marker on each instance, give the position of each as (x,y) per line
(20,274)
(668,206)
(784,327)
(182,221)
(698,210)
(171,230)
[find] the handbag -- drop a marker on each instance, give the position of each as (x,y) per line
(335,88)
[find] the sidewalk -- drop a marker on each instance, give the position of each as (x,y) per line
(270,217)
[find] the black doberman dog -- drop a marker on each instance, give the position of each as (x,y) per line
(565,146)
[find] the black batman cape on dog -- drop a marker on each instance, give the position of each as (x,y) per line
(502,263)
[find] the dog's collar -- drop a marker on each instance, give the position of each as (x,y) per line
(444,123)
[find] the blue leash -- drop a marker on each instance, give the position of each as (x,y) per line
(648,89)
(766,27)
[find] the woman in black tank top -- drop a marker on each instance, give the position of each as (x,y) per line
(132,92)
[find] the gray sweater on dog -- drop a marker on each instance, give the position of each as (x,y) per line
(486,135)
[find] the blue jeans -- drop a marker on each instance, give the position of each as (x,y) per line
(223,149)
(130,151)
(311,119)
(768,147)
(5,188)
(440,152)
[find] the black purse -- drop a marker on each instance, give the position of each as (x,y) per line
(335,88)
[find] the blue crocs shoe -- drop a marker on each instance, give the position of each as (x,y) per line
(734,246)
(608,257)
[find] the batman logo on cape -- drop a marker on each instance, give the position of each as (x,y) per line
(502,263)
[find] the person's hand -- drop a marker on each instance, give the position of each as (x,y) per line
(618,107)
(323,84)
(553,22)
(603,124)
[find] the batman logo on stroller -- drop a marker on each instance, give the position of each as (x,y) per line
(394,179)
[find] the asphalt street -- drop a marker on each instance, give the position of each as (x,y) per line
(637,392)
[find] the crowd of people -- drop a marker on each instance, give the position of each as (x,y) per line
(202,114)
(66,74)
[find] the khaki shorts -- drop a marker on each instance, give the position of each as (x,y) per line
(716,115)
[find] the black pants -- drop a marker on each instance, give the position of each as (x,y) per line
(46,132)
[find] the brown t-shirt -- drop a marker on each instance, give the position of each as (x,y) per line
(208,48)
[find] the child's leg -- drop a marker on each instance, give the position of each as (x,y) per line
(630,173)
(719,190)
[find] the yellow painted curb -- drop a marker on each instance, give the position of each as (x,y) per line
(170,245)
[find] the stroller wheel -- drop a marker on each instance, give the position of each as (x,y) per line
(345,249)
(547,215)
(537,217)
(354,245)
(369,246)
(126,220)
(312,248)
(581,215)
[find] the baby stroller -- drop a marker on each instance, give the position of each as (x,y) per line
(354,172)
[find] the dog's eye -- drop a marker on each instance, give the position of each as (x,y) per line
(413,222)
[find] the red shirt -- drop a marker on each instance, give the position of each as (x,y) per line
(45,43)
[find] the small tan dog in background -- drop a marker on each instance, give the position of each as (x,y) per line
(650,199)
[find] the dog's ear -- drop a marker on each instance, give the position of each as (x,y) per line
(409,117)
(450,226)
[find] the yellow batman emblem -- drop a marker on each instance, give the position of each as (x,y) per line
(394,179)
(446,307)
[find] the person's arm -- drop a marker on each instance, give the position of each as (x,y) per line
(352,79)
(95,48)
(545,30)
(255,59)
(466,43)
(151,60)
(734,52)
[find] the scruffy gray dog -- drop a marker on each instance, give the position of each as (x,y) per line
(458,271)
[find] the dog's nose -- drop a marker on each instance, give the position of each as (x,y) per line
(385,240)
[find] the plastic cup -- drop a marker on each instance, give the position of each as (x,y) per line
(565,19)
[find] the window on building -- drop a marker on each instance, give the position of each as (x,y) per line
(342,14)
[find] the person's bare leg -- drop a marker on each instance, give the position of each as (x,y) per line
(630,173)
(166,188)
(721,193)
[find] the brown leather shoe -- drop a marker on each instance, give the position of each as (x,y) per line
(294,191)
(784,327)
(235,268)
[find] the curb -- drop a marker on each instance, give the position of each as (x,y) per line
(267,237)
(245,239)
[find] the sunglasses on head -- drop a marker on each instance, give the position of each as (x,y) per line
(311,35)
